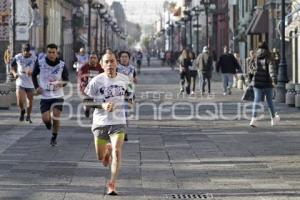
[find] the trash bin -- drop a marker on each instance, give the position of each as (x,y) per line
(297,96)
(290,94)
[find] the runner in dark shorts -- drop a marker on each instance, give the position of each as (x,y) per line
(49,76)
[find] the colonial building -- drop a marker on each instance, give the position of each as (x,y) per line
(293,35)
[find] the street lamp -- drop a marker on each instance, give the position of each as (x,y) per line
(111,24)
(178,24)
(282,69)
(163,31)
(208,4)
(188,17)
(98,7)
(184,37)
(107,20)
(89,26)
(197,11)
(102,12)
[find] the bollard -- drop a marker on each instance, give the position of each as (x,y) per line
(297,96)
(240,81)
(290,94)
(234,84)
(4,96)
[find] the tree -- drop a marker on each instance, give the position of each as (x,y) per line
(130,41)
(146,42)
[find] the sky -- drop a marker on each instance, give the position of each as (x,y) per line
(141,11)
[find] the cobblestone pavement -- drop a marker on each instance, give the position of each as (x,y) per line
(173,151)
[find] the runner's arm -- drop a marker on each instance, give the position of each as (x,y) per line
(35,73)
(65,78)
(13,68)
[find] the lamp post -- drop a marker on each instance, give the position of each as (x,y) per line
(14,7)
(178,24)
(207,5)
(102,12)
(89,26)
(163,31)
(282,69)
(197,11)
(98,7)
(111,24)
(188,17)
(172,35)
(107,20)
(184,36)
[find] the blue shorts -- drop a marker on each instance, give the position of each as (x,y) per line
(47,104)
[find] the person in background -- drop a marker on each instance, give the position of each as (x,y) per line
(7,60)
(263,77)
(81,59)
(22,67)
(184,63)
(228,66)
(193,72)
(204,65)
(85,74)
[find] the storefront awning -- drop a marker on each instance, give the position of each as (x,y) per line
(259,23)
(292,27)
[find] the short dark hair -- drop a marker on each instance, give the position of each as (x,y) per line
(94,53)
(127,52)
(26,47)
(263,45)
(108,54)
(52,46)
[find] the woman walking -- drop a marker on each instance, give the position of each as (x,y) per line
(184,63)
(263,77)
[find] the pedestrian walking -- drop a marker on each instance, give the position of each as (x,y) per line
(184,63)
(7,60)
(239,60)
(250,61)
(110,91)
(85,74)
(263,78)
(49,77)
(229,67)
(139,58)
(193,72)
(204,65)
(148,58)
(81,59)
(22,68)
(162,57)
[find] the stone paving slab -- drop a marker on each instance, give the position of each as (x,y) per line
(224,158)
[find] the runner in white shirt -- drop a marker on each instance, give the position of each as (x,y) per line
(127,69)
(110,91)
(22,67)
(49,77)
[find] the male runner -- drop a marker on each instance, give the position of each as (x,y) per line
(86,74)
(21,68)
(53,76)
(109,91)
